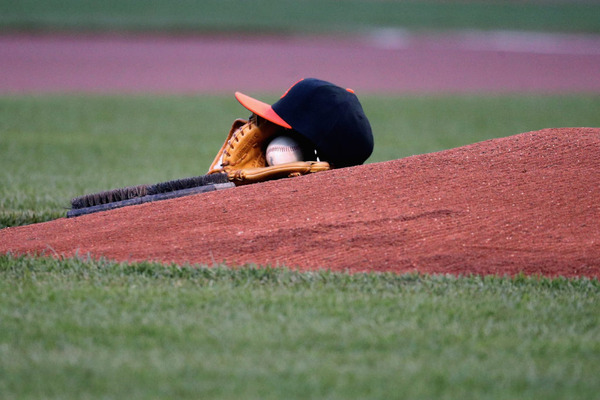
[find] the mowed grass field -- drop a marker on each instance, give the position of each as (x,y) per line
(82,329)
(95,329)
(293,16)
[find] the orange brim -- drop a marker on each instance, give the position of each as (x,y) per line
(261,109)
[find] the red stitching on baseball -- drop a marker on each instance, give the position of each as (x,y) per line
(284,148)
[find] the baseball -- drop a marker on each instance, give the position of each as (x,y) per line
(283,149)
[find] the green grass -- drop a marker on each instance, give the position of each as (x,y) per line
(292,16)
(93,329)
(54,148)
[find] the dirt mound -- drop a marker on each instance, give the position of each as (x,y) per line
(527,203)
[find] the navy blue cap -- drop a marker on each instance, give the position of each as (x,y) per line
(329,116)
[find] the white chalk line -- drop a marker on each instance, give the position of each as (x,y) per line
(496,41)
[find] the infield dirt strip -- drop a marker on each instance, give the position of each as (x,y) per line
(385,61)
(525,203)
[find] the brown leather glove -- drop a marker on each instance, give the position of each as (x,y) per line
(242,156)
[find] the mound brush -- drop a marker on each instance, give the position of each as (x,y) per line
(132,195)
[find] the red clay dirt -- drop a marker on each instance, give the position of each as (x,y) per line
(525,203)
(386,62)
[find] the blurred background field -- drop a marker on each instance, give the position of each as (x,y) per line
(54,147)
(57,146)
(298,16)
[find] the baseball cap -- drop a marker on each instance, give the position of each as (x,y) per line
(329,116)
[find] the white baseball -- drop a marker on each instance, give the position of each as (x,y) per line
(283,149)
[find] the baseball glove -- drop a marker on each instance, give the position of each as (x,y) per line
(242,156)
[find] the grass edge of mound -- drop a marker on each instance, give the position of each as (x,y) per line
(104,270)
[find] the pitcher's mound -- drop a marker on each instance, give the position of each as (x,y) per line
(527,203)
